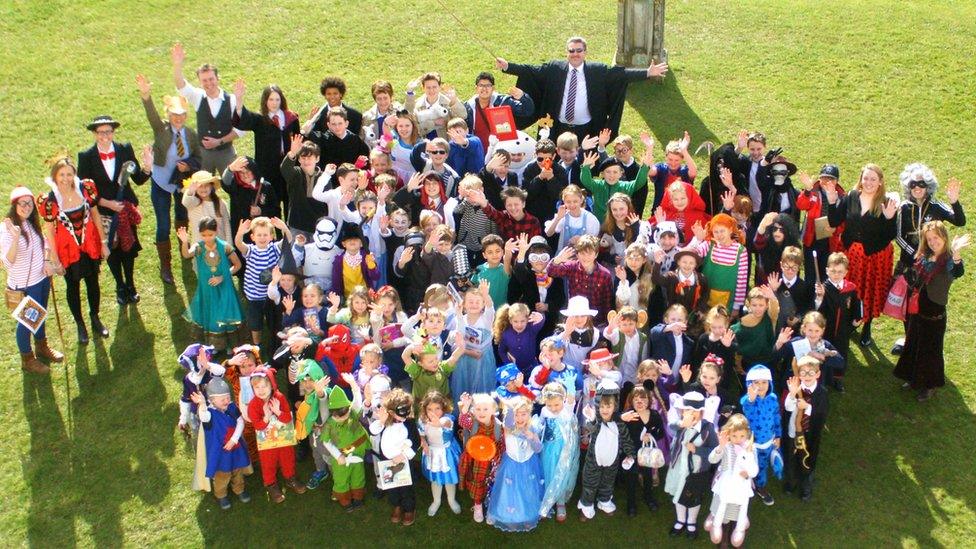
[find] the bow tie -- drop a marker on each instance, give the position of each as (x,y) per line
(107,156)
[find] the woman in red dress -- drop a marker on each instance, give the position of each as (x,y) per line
(870,226)
(75,228)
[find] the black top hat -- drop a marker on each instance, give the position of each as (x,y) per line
(103,120)
(350,231)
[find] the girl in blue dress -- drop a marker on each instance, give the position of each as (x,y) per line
(215,307)
(475,371)
(441,450)
(516,496)
(560,448)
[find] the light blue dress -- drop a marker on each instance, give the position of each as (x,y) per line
(444,453)
(560,456)
(513,505)
(475,375)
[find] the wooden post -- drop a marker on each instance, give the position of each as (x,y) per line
(640,33)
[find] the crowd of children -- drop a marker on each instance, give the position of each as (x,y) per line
(519,329)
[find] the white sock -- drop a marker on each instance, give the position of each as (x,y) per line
(435,491)
(742,520)
(451,490)
(680,512)
(693,517)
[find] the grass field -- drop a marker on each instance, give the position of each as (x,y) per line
(89,456)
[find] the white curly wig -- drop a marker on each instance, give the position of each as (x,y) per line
(917,172)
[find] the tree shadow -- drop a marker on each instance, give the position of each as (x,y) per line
(667,114)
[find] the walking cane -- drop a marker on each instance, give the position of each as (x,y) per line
(67,382)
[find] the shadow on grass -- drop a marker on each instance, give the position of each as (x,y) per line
(667,114)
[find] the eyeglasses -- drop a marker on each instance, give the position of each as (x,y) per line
(24,203)
(105,132)
(777,228)
(789,267)
(437,152)
(539,258)
(485,85)
(621,150)
(917,185)
(808,373)
(575,50)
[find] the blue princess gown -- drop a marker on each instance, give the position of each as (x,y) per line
(440,464)
(560,456)
(475,375)
(513,505)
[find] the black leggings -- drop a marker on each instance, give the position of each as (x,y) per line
(633,482)
(402,497)
(122,265)
(74,295)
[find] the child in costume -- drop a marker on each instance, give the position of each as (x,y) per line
(733,481)
(475,371)
(214,307)
(679,165)
(810,343)
(683,206)
(354,266)
(837,300)
(719,403)
(355,315)
(195,359)
(627,340)
(756,330)
(552,368)
(599,367)
(719,340)
(644,426)
(516,332)
(386,319)
(684,285)
(609,448)
(511,383)
(271,415)
(370,366)
(688,470)
(441,451)
(760,405)
(237,372)
(560,447)
(578,334)
(394,443)
(311,315)
(517,492)
(428,372)
(669,339)
(339,355)
(310,417)
(806,405)
(478,418)
(223,425)
(347,442)
(725,261)
(261,255)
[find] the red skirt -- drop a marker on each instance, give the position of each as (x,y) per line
(872,276)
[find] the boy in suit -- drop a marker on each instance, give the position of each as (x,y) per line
(805,414)
(837,300)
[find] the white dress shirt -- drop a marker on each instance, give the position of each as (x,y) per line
(108,164)
(195,95)
(581,114)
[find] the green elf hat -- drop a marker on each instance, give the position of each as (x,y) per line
(311,369)
(338,399)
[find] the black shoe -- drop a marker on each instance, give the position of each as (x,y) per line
(866,341)
(133,294)
(897,349)
(675,532)
(839,384)
(122,296)
(82,334)
(651,505)
(925,394)
(378,494)
(788,488)
(692,534)
(631,510)
(805,497)
(97,327)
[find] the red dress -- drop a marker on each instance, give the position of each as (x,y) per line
(75,232)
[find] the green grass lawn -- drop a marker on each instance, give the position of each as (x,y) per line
(90,456)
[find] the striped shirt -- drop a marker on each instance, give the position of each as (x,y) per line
(259,260)
(727,255)
(27,270)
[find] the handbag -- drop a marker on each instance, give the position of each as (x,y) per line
(896,305)
(912,307)
(650,455)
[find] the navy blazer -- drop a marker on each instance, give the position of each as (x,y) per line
(662,346)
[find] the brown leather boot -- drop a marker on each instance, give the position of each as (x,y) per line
(395,517)
(275,493)
(165,252)
(29,363)
(45,352)
(408,518)
(295,486)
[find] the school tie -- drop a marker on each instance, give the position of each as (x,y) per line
(275,119)
(180,147)
(807,395)
(571,97)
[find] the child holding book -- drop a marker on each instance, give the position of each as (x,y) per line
(271,415)
(475,372)
(394,443)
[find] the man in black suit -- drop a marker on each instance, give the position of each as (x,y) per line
(102,163)
(581,97)
(753,166)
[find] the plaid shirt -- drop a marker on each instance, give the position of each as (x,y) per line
(597,286)
(509,227)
